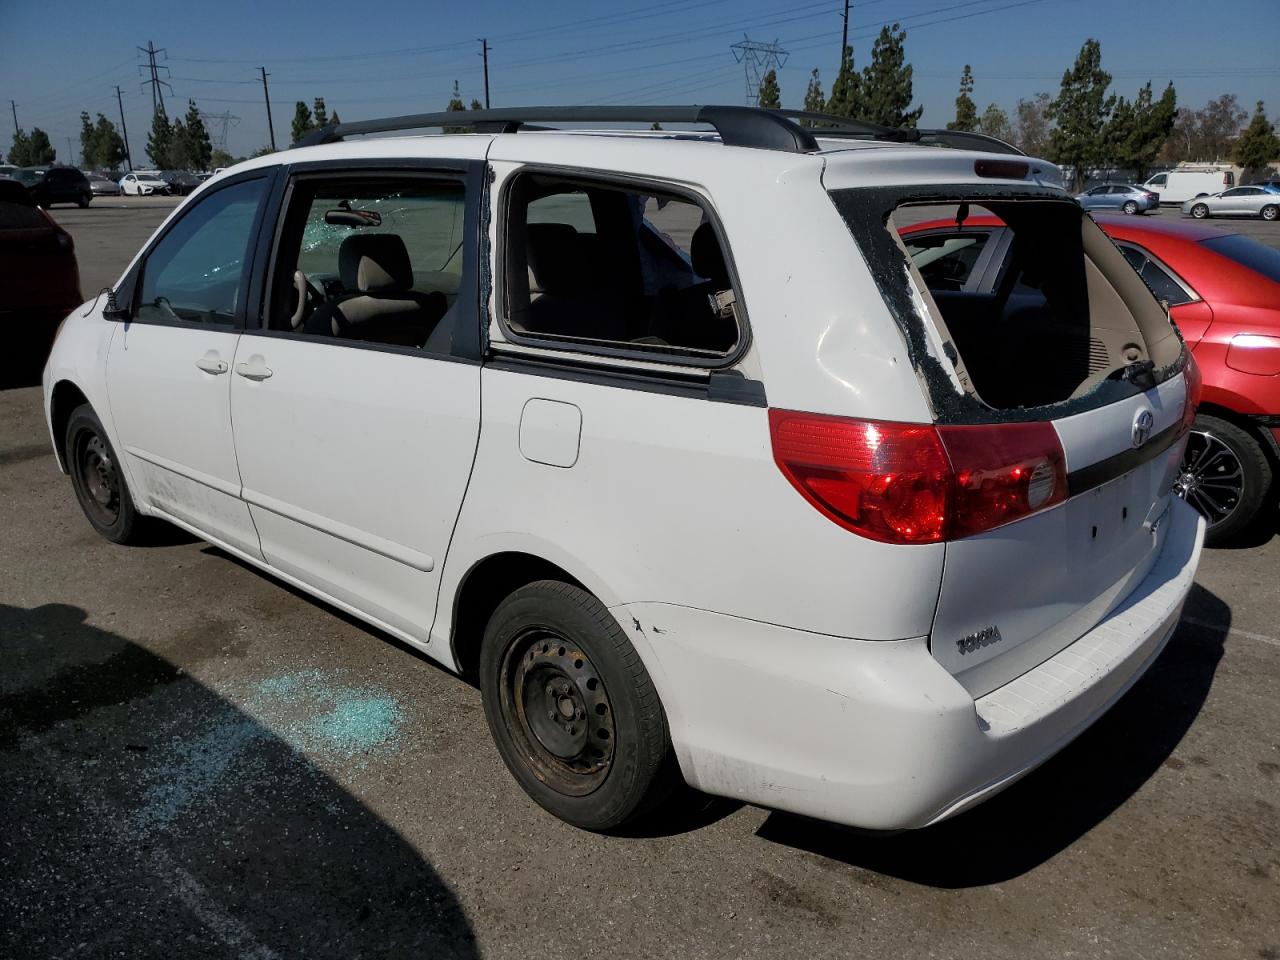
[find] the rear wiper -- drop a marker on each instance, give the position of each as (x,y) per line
(1141,373)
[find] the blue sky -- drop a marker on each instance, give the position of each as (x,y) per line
(377,58)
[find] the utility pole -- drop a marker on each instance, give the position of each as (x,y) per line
(14,106)
(71,152)
(757,59)
(128,158)
(484,52)
(844,40)
(157,94)
(267,96)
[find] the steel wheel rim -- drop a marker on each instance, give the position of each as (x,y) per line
(1211,477)
(98,478)
(555,706)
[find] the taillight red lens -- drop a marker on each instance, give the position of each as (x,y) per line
(1195,387)
(1003,472)
(887,481)
(917,483)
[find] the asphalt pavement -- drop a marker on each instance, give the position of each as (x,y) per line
(197,761)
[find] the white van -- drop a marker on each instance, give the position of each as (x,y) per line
(1178,186)
(667,443)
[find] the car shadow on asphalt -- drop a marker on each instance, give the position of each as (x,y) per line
(1048,810)
(152,817)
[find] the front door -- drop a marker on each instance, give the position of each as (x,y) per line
(356,416)
(168,370)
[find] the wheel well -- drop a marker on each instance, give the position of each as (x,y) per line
(66,398)
(1265,437)
(485,586)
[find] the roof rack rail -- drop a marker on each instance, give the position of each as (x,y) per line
(737,126)
(822,124)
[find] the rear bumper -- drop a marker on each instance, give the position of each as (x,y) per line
(877,734)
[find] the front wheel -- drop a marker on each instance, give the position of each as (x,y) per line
(1270,211)
(84,200)
(98,480)
(1225,474)
(1130,207)
(572,708)
(1199,211)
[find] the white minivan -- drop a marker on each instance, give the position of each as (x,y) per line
(1187,183)
(664,440)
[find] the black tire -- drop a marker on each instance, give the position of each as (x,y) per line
(1130,207)
(572,709)
(99,482)
(84,200)
(1200,211)
(1225,474)
(1269,212)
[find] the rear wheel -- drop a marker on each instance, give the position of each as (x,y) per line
(98,480)
(84,200)
(1270,211)
(1225,475)
(1199,211)
(572,709)
(1130,207)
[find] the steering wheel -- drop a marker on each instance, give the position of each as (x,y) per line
(308,299)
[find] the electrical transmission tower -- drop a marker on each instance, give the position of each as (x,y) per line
(757,59)
(154,81)
(219,124)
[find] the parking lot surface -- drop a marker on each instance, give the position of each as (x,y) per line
(197,761)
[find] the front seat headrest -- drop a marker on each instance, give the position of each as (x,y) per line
(376,264)
(708,259)
(554,255)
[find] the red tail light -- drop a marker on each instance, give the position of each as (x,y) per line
(917,483)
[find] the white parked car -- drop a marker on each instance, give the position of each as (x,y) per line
(665,442)
(142,184)
(1237,202)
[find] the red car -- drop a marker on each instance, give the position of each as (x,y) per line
(1223,290)
(41,286)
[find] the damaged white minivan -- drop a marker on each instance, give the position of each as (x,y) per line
(668,441)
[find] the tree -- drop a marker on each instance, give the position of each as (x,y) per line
(1081,111)
(18,152)
(846,92)
(220,158)
(770,95)
(101,146)
(1220,123)
(194,149)
(160,142)
(886,82)
(334,118)
(656,126)
(476,104)
(303,122)
(994,122)
(1137,130)
(814,101)
(262,151)
(1258,145)
(320,113)
(40,150)
(1032,129)
(455,102)
(966,112)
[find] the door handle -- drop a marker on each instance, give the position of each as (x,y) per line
(254,369)
(210,363)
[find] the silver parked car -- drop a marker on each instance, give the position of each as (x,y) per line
(1123,197)
(103,186)
(1237,202)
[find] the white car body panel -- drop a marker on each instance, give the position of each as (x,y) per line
(379,481)
(354,464)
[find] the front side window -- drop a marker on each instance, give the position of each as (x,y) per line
(378,261)
(603,264)
(193,274)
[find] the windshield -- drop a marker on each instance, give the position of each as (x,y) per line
(1248,253)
